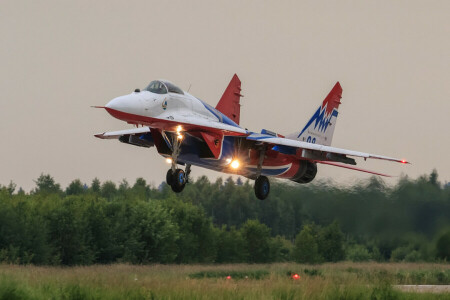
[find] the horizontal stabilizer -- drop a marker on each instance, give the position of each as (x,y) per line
(118,134)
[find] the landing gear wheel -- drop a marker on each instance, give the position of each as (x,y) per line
(178,181)
(169,177)
(262,187)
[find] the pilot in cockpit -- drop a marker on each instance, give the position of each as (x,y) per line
(156,87)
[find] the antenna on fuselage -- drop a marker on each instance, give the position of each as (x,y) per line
(190,84)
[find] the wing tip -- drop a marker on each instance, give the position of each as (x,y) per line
(100,135)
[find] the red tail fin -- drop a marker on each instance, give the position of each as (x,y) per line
(229,103)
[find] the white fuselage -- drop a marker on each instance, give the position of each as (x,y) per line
(173,107)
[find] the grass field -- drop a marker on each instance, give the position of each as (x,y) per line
(327,281)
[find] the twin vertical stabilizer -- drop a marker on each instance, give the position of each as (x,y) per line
(320,128)
(229,103)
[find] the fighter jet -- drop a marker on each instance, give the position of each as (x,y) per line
(187,132)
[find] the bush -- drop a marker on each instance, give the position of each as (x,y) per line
(413,256)
(230,246)
(443,246)
(306,249)
(330,242)
(281,249)
(400,253)
(376,254)
(358,253)
(257,241)
(312,272)
(153,235)
(196,242)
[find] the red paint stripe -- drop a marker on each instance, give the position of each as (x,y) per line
(351,168)
(167,125)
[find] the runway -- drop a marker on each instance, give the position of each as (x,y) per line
(424,288)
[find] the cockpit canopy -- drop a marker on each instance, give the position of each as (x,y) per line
(163,87)
(156,87)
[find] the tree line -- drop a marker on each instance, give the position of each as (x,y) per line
(223,222)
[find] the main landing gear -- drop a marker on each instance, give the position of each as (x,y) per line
(262,187)
(262,184)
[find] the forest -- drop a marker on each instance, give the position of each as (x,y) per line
(223,222)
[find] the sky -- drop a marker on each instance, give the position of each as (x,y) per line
(58,58)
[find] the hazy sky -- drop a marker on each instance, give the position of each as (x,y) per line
(57,58)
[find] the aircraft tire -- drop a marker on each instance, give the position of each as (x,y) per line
(179,181)
(169,177)
(262,187)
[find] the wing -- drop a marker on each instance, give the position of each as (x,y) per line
(212,133)
(319,153)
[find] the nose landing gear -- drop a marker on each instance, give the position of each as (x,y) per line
(178,179)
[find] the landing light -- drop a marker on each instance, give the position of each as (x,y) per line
(179,134)
(228,160)
(168,160)
(235,164)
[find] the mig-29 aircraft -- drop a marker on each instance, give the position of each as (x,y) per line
(189,132)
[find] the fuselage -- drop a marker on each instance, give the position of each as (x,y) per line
(188,131)
(167,110)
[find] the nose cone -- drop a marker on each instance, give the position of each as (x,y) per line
(123,105)
(116,104)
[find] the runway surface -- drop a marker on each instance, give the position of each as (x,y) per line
(424,288)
